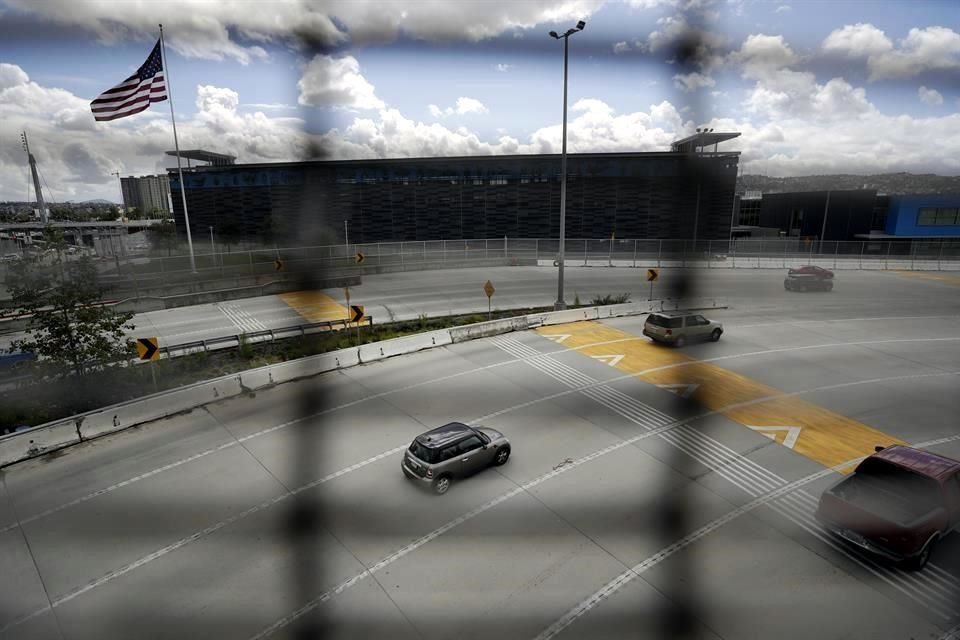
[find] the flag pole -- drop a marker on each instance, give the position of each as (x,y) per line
(176,144)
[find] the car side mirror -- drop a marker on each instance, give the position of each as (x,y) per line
(879,448)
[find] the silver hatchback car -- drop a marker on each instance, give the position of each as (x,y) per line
(454,450)
(679,327)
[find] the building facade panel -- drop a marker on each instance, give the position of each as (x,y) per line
(639,195)
(928,216)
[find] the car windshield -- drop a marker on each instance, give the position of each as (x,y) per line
(665,322)
(424,453)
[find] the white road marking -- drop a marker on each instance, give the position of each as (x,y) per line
(612,360)
(789,440)
(451,376)
(747,469)
(682,390)
(635,571)
(557,337)
(159,553)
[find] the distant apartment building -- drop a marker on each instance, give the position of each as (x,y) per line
(146,193)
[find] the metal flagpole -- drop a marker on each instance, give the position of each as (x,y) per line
(176,144)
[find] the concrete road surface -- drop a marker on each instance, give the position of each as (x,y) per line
(650,493)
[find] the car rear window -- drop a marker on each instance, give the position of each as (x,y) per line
(426,454)
(905,483)
(663,321)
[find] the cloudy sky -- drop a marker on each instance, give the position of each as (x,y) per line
(814,87)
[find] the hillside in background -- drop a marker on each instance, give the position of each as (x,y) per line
(890,183)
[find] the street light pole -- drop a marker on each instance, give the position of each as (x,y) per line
(213,251)
(561,304)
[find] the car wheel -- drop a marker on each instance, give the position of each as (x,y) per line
(441,485)
(502,455)
(715,336)
(680,341)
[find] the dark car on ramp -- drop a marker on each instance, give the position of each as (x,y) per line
(809,278)
(811,270)
(897,504)
(455,450)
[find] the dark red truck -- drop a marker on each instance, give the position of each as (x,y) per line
(897,504)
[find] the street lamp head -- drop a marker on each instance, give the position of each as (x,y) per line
(554,34)
(698,129)
(580,25)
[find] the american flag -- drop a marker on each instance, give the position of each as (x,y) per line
(134,94)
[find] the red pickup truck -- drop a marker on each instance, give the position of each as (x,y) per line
(897,504)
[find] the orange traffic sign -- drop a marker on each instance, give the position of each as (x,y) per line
(488,289)
(148,348)
(652,275)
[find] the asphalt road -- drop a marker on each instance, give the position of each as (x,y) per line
(401,296)
(626,509)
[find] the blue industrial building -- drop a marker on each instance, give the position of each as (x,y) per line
(923,216)
(849,215)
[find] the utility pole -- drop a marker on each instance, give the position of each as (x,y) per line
(561,303)
(36,179)
(823,229)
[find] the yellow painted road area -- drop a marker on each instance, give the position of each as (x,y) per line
(931,275)
(315,306)
(810,430)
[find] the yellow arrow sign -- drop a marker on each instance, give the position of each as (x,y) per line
(360,258)
(652,275)
(148,348)
(356,313)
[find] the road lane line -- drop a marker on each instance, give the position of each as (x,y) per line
(635,571)
(825,436)
(753,479)
(475,370)
(182,542)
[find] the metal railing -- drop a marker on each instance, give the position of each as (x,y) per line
(933,254)
(640,252)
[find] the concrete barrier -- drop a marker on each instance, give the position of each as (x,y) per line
(489,328)
(563,317)
(157,406)
(34,442)
(399,346)
(37,441)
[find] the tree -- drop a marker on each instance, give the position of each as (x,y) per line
(69,329)
(163,235)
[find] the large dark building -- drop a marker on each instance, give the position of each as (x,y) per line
(630,195)
(860,214)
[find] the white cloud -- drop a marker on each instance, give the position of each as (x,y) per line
(12,76)
(674,31)
(761,55)
(76,154)
(858,40)
(782,8)
(922,50)
(930,96)
(463,106)
(503,68)
(336,82)
(232,29)
(932,48)
(692,81)
(621,47)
